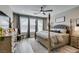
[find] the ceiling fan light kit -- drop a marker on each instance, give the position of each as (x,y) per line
(43,11)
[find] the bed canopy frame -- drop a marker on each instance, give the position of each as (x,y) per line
(69,30)
(43,11)
(49,39)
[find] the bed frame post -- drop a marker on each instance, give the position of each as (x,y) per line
(70,34)
(49,39)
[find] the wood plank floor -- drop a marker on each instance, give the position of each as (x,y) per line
(23,46)
(30,45)
(37,47)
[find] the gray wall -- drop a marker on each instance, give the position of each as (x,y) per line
(70,14)
(7,10)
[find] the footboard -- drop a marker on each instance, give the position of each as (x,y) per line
(45,42)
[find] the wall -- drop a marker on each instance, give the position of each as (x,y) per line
(7,10)
(70,14)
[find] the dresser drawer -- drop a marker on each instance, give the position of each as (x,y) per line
(78,44)
(74,39)
(75,42)
(5,45)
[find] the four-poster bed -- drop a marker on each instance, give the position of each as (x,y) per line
(53,39)
(43,11)
(57,39)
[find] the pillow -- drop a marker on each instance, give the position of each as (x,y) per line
(59,30)
(63,30)
(55,30)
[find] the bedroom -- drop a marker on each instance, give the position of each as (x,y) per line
(33,33)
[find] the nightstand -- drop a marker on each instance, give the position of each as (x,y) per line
(75,41)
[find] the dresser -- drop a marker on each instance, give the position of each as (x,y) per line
(5,44)
(74,41)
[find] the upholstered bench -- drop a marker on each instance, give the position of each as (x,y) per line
(68,49)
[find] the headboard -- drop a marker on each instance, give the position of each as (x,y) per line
(61,26)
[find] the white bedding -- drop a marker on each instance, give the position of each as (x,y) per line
(55,37)
(44,34)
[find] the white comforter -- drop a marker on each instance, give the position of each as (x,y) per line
(55,37)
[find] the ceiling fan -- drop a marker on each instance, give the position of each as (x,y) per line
(43,11)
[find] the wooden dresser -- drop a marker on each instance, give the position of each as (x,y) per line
(5,44)
(75,41)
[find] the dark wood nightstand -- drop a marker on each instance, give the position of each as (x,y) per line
(75,41)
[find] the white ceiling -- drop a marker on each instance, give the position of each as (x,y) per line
(31,9)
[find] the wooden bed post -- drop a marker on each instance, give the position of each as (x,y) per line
(71,26)
(70,34)
(49,39)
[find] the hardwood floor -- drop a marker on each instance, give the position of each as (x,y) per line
(30,45)
(37,47)
(23,46)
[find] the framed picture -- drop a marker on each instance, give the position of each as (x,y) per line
(77,22)
(60,19)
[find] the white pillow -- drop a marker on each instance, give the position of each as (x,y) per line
(53,29)
(62,30)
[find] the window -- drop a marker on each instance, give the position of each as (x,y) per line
(28,25)
(32,25)
(23,24)
(4,22)
(40,24)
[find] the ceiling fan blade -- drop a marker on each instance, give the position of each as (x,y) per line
(48,10)
(44,13)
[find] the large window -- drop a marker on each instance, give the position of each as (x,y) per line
(40,24)
(4,22)
(28,25)
(32,27)
(23,24)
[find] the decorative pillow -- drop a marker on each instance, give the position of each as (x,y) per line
(55,30)
(59,30)
(63,30)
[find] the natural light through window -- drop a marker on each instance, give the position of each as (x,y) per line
(24,24)
(40,24)
(4,22)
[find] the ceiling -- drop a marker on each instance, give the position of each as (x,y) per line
(31,9)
